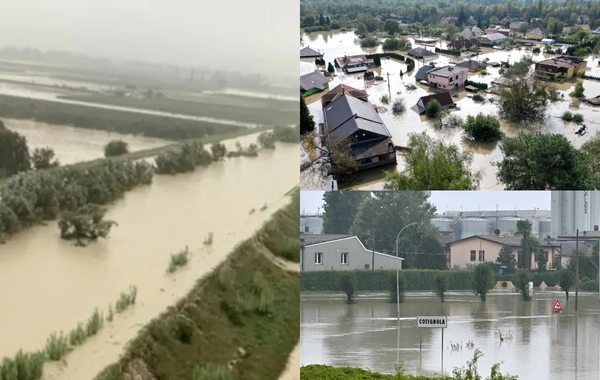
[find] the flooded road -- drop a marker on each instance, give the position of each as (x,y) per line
(65,283)
(365,334)
(336,44)
(72,144)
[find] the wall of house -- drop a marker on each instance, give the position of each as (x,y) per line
(358,257)
(460,76)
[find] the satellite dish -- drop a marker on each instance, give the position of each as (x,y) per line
(497,232)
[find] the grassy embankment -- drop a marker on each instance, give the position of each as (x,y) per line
(239,322)
(271,112)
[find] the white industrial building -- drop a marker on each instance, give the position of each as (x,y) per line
(311,224)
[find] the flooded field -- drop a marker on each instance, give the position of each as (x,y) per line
(336,44)
(545,346)
(68,282)
(72,144)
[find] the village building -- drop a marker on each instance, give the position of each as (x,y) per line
(505,20)
(492,29)
(313,82)
(493,39)
(505,32)
(486,248)
(448,20)
(342,252)
(464,44)
(422,72)
(471,65)
(308,52)
(538,32)
(473,32)
(349,119)
(582,19)
(444,98)
(561,67)
(421,53)
(340,90)
(515,26)
(448,77)
(353,63)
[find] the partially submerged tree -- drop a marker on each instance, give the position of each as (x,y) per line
(396,285)
(433,108)
(578,91)
(432,164)
(85,224)
(14,153)
(484,128)
(482,280)
(219,151)
(523,99)
(536,161)
(347,284)
(440,285)
(116,148)
(43,158)
(506,260)
(522,284)
(566,280)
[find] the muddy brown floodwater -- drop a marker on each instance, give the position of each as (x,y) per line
(47,284)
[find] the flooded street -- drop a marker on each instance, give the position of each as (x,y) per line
(365,334)
(336,44)
(68,282)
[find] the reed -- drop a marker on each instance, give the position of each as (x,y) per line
(57,346)
(95,323)
(179,259)
(78,335)
(126,299)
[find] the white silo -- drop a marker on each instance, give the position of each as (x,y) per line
(443,224)
(311,224)
(508,224)
(573,210)
(475,226)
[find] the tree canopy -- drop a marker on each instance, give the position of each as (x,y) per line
(14,153)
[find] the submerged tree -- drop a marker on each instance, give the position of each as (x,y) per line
(347,284)
(440,285)
(325,158)
(524,99)
(43,158)
(482,280)
(116,148)
(566,280)
(522,284)
(14,153)
(218,151)
(85,224)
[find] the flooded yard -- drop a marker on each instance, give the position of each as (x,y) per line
(336,44)
(545,346)
(68,282)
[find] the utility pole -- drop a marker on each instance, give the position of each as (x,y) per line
(389,89)
(576,268)
(373,265)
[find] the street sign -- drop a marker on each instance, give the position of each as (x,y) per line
(557,306)
(432,322)
(500,271)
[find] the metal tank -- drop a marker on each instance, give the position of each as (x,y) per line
(573,210)
(508,224)
(443,224)
(475,226)
(545,228)
(311,225)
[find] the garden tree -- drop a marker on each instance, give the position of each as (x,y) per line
(523,28)
(220,150)
(451,29)
(391,26)
(85,223)
(462,19)
(43,158)
(433,108)
(578,91)
(566,280)
(391,44)
(377,60)
(522,284)
(440,285)
(484,128)
(523,99)
(494,20)
(372,23)
(14,153)
(330,69)
(432,164)
(396,286)
(347,284)
(554,26)
(482,280)
(536,161)
(340,208)
(307,124)
(506,258)
(386,213)
(308,21)
(361,30)
(327,158)
(116,148)
(587,266)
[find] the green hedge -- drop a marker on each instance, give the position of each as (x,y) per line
(416,279)
(591,285)
(584,76)
(449,52)
(481,86)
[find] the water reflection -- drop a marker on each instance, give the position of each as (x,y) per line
(544,345)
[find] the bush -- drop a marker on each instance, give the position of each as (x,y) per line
(483,280)
(578,118)
(78,335)
(385,99)
(536,50)
(24,366)
(116,148)
(220,150)
(449,52)
(94,324)
(126,299)
(56,346)
(433,108)
(484,128)
(522,284)
(182,159)
(567,116)
(319,61)
(478,98)
(399,106)
(578,91)
(369,75)
(395,283)
(368,42)
(85,223)
(43,158)
(347,284)
(440,285)
(179,259)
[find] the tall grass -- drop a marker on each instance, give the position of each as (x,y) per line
(179,259)
(78,335)
(24,366)
(126,299)
(95,323)
(213,372)
(208,240)
(57,346)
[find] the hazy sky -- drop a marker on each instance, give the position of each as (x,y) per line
(257,35)
(454,200)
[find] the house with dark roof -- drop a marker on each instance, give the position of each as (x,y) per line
(464,44)
(505,20)
(493,39)
(444,98)
(353,63)
(313,82)
(342,252)
(307,52)
(486,248)
(538,32)
(422,72)
(341,89)
(354,121)
(472,32)
(562,67)
(504,31)
(472,65)
(515,26)
(421,53)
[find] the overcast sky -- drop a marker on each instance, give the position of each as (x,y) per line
(257,35)
(459,200)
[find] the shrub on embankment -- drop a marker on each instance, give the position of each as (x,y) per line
(416,279)
(244,315)
(280,234)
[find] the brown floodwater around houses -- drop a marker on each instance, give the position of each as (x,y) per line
(48,285)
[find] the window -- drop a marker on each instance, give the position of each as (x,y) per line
(319,258)
(345,258)
(481,255)
(446,233)
(472,255)
(305,228)
(366,266)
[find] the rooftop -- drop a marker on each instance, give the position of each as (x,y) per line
(447,71)
(307,52)
(494,36)
(313,80)
(311,239)
(511,241)
(341,89)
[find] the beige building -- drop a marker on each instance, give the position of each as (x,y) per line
(477,249)
(341,252)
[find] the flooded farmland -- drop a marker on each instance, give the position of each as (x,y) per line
(336,44)
(544,346)
(68,282)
